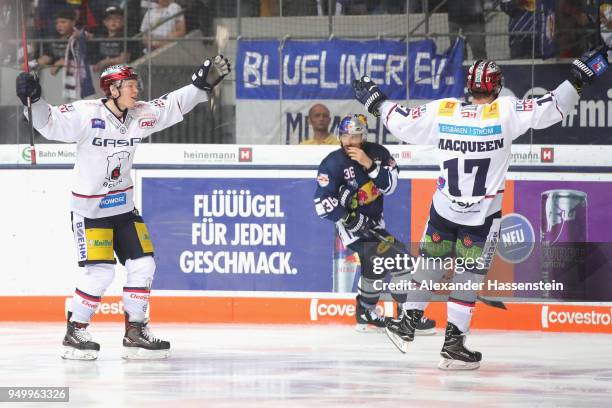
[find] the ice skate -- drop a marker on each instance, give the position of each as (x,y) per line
(455,356)
(140,344)
(77,342)
(425,326)
(368,320)
(401,331)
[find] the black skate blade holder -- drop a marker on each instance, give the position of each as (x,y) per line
(399,248)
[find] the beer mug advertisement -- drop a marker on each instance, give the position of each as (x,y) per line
(573,241)
(237,234)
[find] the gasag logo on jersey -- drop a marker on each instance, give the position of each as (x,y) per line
(65,108)
(98,141)
(98,123)
(517,238)
(146,123)
(524,105)
(113,200)
(547,154)
(447,108)
(491,111)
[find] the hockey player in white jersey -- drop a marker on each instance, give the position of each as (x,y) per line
(473,144)
(104,219)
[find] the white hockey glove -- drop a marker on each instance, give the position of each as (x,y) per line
(589,66)
(211,72)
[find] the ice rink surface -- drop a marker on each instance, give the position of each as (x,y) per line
(311,366)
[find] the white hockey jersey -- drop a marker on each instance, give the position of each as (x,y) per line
(102,184)
(473,144)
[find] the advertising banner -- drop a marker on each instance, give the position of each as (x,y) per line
(563,237)
(247,234)
(288,77)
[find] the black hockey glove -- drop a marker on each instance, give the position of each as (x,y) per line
(347,197)
(27,85)
(589,66)
(211,72)
(358,224)
(367,92)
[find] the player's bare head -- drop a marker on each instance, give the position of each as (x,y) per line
(484,79)
(319,117)
(353,130)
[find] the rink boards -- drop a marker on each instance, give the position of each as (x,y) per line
(284,253)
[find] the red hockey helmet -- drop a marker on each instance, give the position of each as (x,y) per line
(484,77)
(114,75)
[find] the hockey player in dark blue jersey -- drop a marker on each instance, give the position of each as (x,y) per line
(351,184)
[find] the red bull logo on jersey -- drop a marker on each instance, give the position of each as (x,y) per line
(367,193)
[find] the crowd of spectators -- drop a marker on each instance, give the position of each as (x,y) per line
(123,30)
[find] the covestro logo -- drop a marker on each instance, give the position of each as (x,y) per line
(340,309)
(562,317)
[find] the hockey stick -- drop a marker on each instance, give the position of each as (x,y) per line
(26,68)
(489,302)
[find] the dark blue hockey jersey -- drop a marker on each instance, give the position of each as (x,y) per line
(338,169)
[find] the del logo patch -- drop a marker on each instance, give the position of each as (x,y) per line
(146,123)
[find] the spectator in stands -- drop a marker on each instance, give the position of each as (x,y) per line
(468,16)
(573,23)
(163,23)
(46,13)
(605,23)
(389,7)
(320,118)
(111,50)
(54,53)
(270,8)
(522,19)
(351,7)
